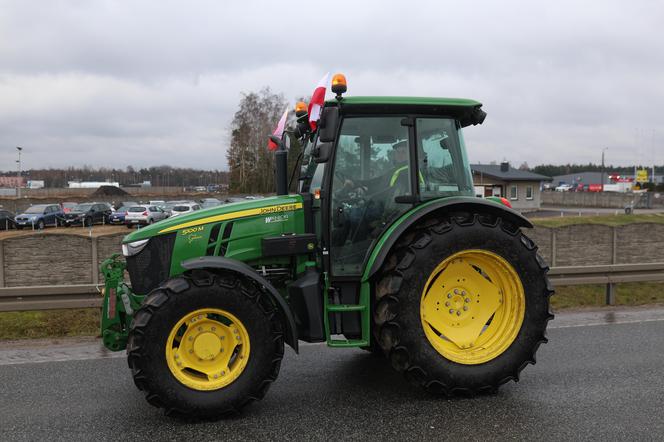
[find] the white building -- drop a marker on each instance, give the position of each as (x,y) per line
(90,184)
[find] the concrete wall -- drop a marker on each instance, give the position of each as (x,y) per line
(586,244)
(52,259)
(603,199)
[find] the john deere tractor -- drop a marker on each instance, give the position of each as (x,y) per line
(384,247)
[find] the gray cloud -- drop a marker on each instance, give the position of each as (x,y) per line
(144,83)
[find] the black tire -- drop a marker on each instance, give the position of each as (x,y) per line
(397,323)
(168,304)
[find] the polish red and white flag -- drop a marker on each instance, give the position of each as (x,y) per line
(278,131)
(317,101)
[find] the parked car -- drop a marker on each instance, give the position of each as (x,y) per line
(118,217)
(87,214)
(563,188)
(181,209)
(168,206)
(143,215)
(6,219)
(125,204)
(209,202)
(40,216)
(68,206)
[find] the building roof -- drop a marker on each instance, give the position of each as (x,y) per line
(512,174)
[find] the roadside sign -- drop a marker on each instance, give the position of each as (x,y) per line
(642,176)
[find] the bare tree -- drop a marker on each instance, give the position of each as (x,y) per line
(250,164)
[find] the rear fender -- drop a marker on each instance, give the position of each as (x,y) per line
(440,207)
(239,267)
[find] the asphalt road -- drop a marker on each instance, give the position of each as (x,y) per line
(600,377)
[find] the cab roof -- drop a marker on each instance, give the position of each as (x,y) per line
(466,111)
(418,101)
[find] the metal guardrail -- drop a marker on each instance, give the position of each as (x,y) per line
(87,295)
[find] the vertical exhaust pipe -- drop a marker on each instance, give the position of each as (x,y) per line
(281,159)
(281,162)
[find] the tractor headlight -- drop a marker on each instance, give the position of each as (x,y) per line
(133,248)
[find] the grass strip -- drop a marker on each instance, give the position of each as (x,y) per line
(49,323)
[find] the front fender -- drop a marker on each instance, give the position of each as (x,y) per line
(220,262)
(445,205)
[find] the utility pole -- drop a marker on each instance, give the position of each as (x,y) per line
(603,150)
(18,181)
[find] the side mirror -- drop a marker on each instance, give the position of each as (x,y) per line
(328,124)
(322,152)
(276,140)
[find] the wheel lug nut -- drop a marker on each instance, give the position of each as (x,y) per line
(191,351)
(456,292)
(451,311)
(467,299)
(449,295)
(458,313)
(214,328)
(463,293)
(465,307)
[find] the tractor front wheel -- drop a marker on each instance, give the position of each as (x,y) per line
(462,304)
(204,345)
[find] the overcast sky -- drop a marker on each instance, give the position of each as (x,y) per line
(113,83)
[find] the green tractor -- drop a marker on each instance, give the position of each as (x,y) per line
(384,247)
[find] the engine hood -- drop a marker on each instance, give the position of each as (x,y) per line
(242,209)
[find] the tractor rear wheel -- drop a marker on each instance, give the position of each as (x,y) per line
(204,345)
(462,304)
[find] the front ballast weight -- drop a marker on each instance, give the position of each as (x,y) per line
(119,304)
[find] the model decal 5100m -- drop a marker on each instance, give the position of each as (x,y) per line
(384,248)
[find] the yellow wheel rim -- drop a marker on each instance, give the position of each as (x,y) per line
(207,349)
(472,306)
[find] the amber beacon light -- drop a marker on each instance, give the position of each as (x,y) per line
(300,109)
(339,85)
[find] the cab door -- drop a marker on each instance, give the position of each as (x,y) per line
(371,170)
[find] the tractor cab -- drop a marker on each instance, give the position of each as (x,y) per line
(372,160)
(384,158)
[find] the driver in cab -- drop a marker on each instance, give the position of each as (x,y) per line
(396,178)
(371,201)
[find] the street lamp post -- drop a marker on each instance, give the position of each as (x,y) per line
(603,150)
(18,181)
